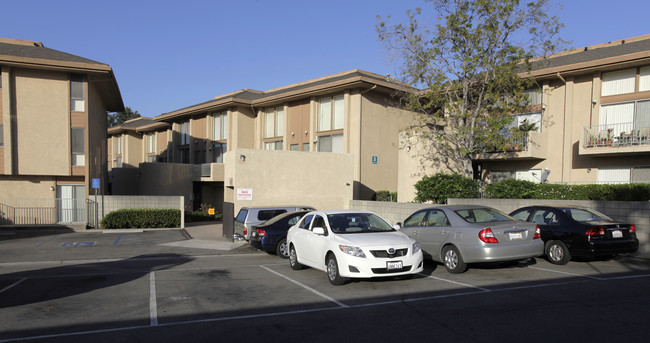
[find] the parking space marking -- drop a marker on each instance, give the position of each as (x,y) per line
(12,285)
(455,282)
(153,306)
(118,239)
(565,273)
(306,287)
(43,243)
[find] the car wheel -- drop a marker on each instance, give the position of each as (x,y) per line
(293,259)
(557,253)
(282,250)
(453,261)
(333,271)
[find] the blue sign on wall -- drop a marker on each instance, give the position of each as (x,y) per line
(375,159)
(95,183)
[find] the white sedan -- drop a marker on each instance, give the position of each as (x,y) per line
(352,244)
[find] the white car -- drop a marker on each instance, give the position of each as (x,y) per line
(352,244)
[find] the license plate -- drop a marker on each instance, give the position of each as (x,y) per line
(394,266)
(516,235)
(617,234)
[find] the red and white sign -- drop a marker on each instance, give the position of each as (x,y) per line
(244,194)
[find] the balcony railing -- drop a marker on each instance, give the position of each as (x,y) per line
(516,145)
(622,134)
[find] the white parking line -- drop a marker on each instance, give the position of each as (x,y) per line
(565,273)
(12,285)
(307,288)
(153,306)
(455,282)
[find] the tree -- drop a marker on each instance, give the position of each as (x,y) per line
(472,67)
(117,118)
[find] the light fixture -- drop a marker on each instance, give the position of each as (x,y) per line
(52,188)
(408,148)
(594,101)
(242,158)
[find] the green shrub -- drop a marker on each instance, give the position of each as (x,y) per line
(142,218)
(440,187)
(511,189)
(386,196)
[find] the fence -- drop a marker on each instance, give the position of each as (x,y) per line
(621,134)
(57,211)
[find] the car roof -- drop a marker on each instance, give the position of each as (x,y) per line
(326,212)
(557,206)
(456,207)
(273,207)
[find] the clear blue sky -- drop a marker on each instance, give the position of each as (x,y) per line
(170,54)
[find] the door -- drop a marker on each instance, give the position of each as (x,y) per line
(434,233)
(71,203)
(299,126)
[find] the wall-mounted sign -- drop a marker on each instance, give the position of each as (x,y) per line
(244,194)
(375,159)
(95,183)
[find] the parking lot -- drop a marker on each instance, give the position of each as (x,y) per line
(150,287)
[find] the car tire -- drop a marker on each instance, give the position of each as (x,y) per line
(282,249)
(452,260)
(332,269)
(557,253)
(293,259)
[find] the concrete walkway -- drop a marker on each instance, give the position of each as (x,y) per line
(206,235)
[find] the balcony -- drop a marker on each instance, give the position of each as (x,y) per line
(208,172)
(630,138)
(533,146)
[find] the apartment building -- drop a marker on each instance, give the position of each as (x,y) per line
(320,142)
(52,131)
(591,116)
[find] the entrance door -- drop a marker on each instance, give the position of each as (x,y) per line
(71,203)
(299,126)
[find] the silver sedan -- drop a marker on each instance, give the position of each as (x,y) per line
(456,235)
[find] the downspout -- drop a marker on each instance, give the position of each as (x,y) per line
(566,94)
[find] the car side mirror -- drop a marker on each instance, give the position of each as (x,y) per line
(318,230)
(397,226)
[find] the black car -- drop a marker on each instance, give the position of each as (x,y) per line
(573,231)
(272,235)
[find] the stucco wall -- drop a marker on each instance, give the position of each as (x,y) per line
(321,180)
(636,212)
(43,122)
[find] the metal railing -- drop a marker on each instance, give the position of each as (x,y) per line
(44,211)
(621,134)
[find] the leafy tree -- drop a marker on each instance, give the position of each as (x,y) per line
(472,65)
(117,118)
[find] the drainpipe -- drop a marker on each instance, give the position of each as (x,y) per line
(566,97)
(361,130)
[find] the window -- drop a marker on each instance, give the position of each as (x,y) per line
(275,145)
(640,175)
(618,82)
(644,79)
(151,158)
(118,162)
(305,222)
(184,131)
(415,219)
(118,145)
(218,151)
(527,121)
(151,143)
(534,95)
(331,113)
(331,143)
(2,142)
(613,175)
(78,147)
(437,218)
(77,103)
(220,128)
(273,127)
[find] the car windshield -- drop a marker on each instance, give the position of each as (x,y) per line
(357,223)
(285,215)
(483,215)
(586,215)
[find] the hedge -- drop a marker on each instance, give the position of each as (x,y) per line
(439,187)
(520,189)
(142,218)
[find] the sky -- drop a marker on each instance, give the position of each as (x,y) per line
(169,54)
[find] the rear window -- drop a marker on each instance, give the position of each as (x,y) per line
(586,215)
(483,215)
(241,216)
(268,214)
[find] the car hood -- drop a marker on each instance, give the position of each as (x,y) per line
(374,239)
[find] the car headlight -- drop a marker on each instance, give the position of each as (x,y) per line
(416,247)
(354,251)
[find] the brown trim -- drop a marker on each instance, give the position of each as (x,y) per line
(605,64)
(627,97)
(330,132)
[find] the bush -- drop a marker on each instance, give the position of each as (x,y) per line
(386,196)
(142,218)
(511,189)
(519,189)
(440,187)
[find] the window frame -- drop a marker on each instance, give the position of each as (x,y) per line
(222,119)
(75,160)
(333,121)
(75,99)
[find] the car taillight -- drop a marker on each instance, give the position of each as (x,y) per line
(260,232)
(538,234)
(595,231)
(632,228)
(487,236)
(245,231)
